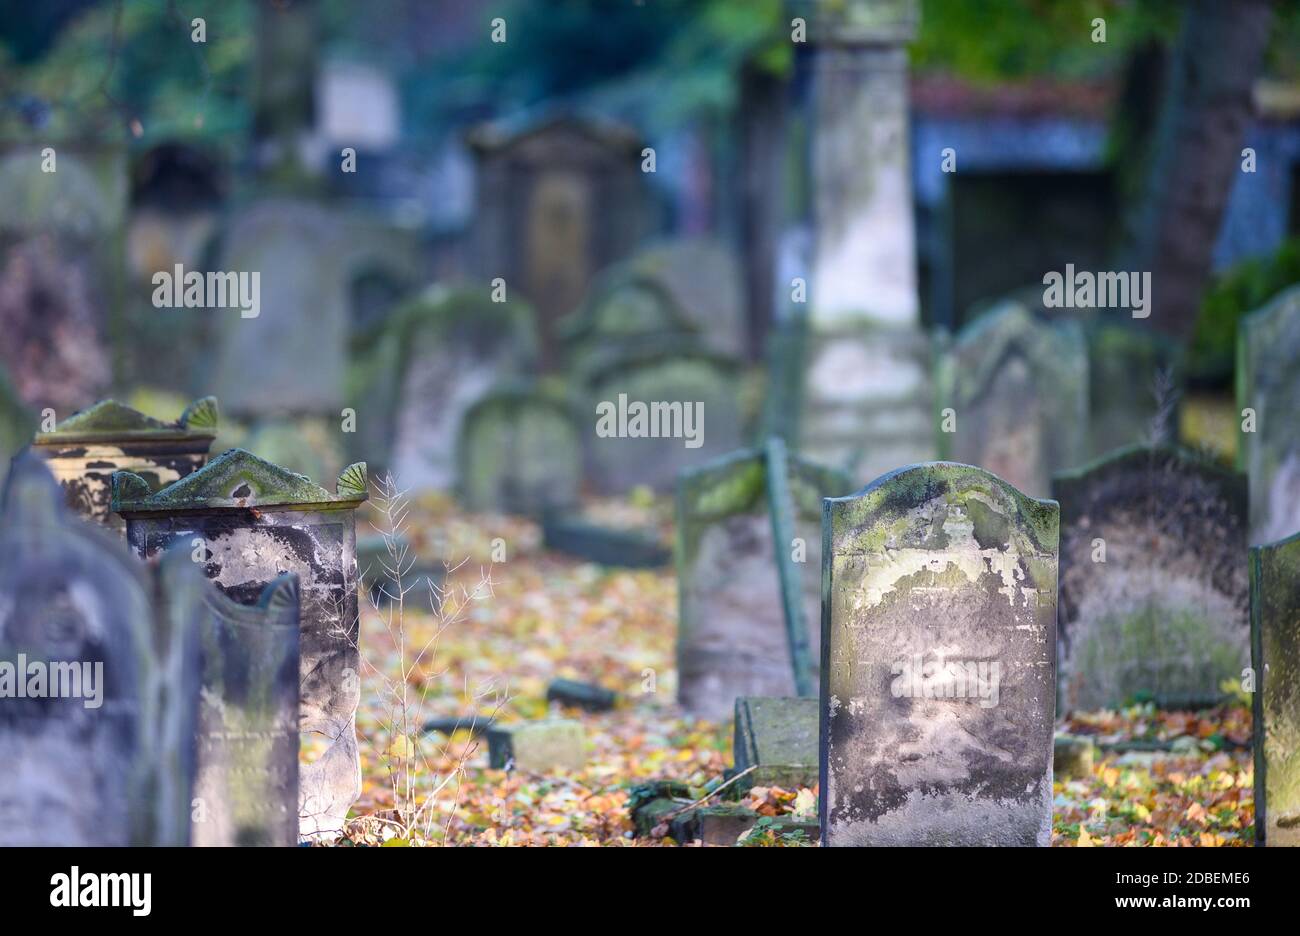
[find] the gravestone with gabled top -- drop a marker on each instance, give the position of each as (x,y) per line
(1154,585)
(1018,391)
(740,591)
(246,790)
(85,449)
(1275,658)
(1268,385)
(254,521)
(938,661)
(99,678)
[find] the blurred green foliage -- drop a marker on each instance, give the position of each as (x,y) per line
(1233,294)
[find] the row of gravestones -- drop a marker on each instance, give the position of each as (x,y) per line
(448,387)
(226,656)
(941,661)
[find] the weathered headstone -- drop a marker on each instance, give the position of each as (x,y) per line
(99,687)
(246,791)
(1018,391)
(733,632)
(255,521)
(938,661)
(557,200)
(1154,588)
(1125,362)
(458,345)
(537,747)
(85,449)
(1275,658)
(778,738)
(654,414)
(519,451)
(1268,385)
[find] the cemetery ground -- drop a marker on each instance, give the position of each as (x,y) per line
(504,630)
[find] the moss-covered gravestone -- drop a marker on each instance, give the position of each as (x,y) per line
(85,449)
(1125,360)
(457,346)
(255,521)
(1268,385)
(938,661)
(519,451)
(1154,588)
(657,412)
(99,679)
(1275,654)
(246,791)
(1018,389)
(734,635)
(778,739)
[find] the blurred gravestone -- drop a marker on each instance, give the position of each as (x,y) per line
(1275,638)
(254,521)
(61,250)
(17,424)
(99,748)
(1153,580)
(1125,364)
(777,737)
(85,449)
(1018,389)
(246,791)
(519,451)
(457,345)
(657,412)
(557,199)
(1268,382)
(732,627)
(938,649)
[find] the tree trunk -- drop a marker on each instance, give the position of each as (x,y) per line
(1196,153)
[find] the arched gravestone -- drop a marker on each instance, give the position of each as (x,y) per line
(85,449)
(1019,391)
(246,790)
(107,758)
(1268,382)
(255,521)
(732,636)
(938,649)
(1275,656)
(519,451)
(455,346)
(1165,615)
(691,413)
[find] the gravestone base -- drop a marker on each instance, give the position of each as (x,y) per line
(867,405)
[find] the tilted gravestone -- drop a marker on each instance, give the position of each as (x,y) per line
(255,521)
(85,449)
(734,636)
(1018,391)
(1275,657)
(657,412)
(1268,384)
(778,739)
(519,451)
(246,790)
(99,679)
(458,345)
(1154,589)
(938,661)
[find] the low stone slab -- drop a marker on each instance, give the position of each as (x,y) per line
(609,546)
(778,738)
(581,695)
(538,747)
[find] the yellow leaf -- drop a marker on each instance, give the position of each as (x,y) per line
(401,748)
(396,843)
(1084,840)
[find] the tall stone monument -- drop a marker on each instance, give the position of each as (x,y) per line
(866,398)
